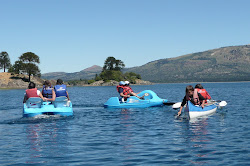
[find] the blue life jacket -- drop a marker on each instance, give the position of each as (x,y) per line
(47,92)
(60,90)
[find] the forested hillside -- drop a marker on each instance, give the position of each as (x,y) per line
(222,64)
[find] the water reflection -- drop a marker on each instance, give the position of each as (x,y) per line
(126,122)
(197,139)
(200,141)
(45,141)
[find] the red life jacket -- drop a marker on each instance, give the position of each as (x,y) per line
(31,93)
(130,88)
(204,93)
(117,87)
(126,90)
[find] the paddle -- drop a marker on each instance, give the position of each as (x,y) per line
(221,104)
(176,105)
(169,103)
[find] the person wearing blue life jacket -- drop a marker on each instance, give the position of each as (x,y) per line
(61,89)
(48,91)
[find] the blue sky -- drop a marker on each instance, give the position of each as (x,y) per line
(71,35)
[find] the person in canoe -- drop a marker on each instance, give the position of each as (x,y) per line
(125,91)
(203,92)
(48,91)
(61,89)
(32,92)
(193,96)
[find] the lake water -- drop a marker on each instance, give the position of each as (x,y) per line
(142,136)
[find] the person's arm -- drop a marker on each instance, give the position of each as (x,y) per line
(134,94)
(41,96)
(179,113)
(53,96)
(203,103)
(184,101)
(67,95)
(201,98)
(25,98)
(122,95)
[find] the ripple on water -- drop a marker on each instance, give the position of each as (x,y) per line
(148,136)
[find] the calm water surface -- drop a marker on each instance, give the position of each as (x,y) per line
(142,136)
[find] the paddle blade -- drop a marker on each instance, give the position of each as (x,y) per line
(176,105)
(222,104)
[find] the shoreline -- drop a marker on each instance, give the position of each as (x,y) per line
(19,88)
(203,82)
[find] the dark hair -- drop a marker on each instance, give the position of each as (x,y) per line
(189,87)
(31,85)
(199,86)
(59,82)
(47,83)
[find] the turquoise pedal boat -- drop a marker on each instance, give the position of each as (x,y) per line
(35,106)
(150,100)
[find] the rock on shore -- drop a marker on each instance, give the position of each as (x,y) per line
(17,81)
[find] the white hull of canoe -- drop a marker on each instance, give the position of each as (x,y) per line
(194,111)
(195,114)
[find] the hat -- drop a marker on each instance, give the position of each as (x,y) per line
(121,83)
(127,82)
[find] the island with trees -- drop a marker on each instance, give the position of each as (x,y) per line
(26,69)
(111,75)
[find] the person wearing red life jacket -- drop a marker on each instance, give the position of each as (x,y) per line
(203,92)
(48,91)
(32,92)
(193,96)
(132,93)
(124,91)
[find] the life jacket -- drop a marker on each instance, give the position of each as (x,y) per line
(204,93)
(118,87)
(31,93)
(130,89)
(126,90)
(195,98)
(47,92)
(60,90)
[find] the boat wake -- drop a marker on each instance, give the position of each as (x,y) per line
(37,119)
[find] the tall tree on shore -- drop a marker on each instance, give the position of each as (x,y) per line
(4,61)
(16,68)
(113,64)
(29,64)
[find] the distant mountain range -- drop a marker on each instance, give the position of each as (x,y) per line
(88,73)
(217,65)
(222,64)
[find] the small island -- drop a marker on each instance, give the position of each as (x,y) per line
(26,70)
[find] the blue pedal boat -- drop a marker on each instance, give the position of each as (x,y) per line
(35,106)
(194,111)
(150,100)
